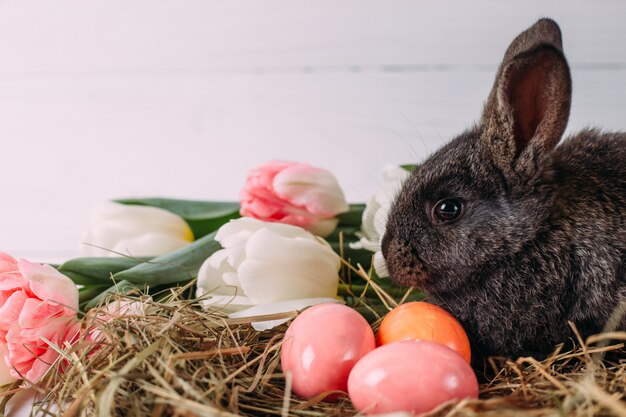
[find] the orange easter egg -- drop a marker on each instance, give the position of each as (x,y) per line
(424,321)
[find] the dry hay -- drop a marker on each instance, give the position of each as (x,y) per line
(171,358)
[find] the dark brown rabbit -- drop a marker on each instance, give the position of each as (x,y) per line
(512,234)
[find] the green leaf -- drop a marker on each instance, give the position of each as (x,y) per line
(352,217)
(122,287)
(409,167)
(80,279)
(87,294)
(178,266)
(203,217)
(92,271)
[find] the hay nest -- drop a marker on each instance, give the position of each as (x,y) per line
(171,358)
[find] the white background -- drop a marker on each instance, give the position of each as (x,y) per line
(106,99)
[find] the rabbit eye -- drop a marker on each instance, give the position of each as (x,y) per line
(447,210)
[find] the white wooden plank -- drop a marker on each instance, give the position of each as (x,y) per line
(107,99)
(86,149)
(115,37)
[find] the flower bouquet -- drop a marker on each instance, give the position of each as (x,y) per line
(181,307)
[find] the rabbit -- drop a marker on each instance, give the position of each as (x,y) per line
(514,235)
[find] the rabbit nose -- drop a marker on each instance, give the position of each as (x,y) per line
(403,264)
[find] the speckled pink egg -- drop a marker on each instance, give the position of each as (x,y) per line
(322,345)
(411,376)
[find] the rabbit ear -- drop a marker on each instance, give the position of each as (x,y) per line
(527,110)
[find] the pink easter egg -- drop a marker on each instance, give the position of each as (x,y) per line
(411,376)
(322,345)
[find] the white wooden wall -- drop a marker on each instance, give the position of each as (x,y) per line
(118,98)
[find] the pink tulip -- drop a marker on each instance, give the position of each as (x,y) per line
(293,193)
(38,308)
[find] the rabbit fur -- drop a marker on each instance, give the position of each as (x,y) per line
(540,239)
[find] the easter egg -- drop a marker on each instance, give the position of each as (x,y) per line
(424,321)
(411,376)
(322,345)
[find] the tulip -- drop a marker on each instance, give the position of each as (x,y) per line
(38,308)
(293,193)
(118,229)
(376,213)
(267,268)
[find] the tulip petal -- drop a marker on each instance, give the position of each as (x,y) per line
(101,237)
(210,279)
(136,217)
(273,244)
(34,313)
(323,228)
(64,331)
(261,204)
(272,168)
(50,285)
(112,223)
(236,256)
(230,278)
(278,307)
(10,310)
(236,233)
(41,365)
(365,243)
(227,303)
(58,333)
(280,268)
(11,281)
(369,220)
(262,177)
(7,263)
(289,231)
(380,221)
(149,244)
(314,188)
(263,283)
(218,259)
(23,348)
(380,266)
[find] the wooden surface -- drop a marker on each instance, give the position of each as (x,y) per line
(106,99)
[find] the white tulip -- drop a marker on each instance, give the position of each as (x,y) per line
(376,213)
(267,268)
(134,230)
